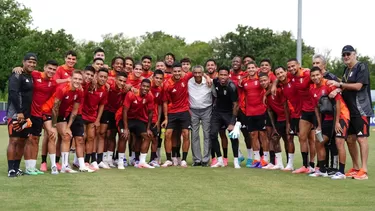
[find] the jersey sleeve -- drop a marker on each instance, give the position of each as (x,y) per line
(14,87)
(128,100)
(150,102)
(165,93)
(234,94)
(362,74)
(188,76)
(60,93)
(104,99)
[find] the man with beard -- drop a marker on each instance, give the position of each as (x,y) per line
(146,65)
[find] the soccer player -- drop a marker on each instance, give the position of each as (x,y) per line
(185,64)
(294,103)
(20,92)
(146,65)
(116,96)
(118,65)
(99,53)
(335,122)
(176,104)
(70,125)
(357,96)
(224,112)
(169,60)
(129,64)
(247,59)
(136,118)
(235,75)
(95,98)
(255,114)
(97,64)
(160,65)
(44,88)
(279,106)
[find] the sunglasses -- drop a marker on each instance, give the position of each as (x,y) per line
(346,54)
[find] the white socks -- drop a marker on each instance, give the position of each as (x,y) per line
(335,161)
(220,159)
(250,153)
(52,157)
(290,159)
(279,158)
(75,158)
(256,155)
(105,157)
(266,156)
(121,157)
(109,156)
(81,162)
(239,153)
(142,158)
(30,164)
(65,159)
(27,164)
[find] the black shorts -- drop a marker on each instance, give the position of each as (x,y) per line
(359,126)
(327,128)
(179,120)
(154,130)
(134,125)
(345,126)
(241,117)
(256,123)
(309,116)
(21,134)
(47,117)
(294,126)
(281,128)
(77,126)
(268,119)
(108,118)
(36,128)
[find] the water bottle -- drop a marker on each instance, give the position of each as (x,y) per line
(162,135)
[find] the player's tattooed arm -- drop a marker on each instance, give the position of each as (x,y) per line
(55,111)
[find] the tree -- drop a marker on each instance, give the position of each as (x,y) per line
(198,52)
(262,43)
(14,20)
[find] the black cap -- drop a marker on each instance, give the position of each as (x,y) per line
(30,56)
(347,48)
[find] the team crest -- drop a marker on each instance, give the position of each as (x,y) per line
(225,92)
(182,84)
(144,101)
(301,80)
(256,83)
(75,97)
(101,94)
(49,84)
(157,94)
(289,85)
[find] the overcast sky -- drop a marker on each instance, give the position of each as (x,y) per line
(326,24)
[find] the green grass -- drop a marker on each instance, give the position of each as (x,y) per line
(194,188)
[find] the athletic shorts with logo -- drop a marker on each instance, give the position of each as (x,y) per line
(359,126)
(77,126)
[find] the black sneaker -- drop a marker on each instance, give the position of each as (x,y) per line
(19,172)
(332,171)
(12,173)
(204,164)
(197,164)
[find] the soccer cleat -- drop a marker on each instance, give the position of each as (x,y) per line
(38,172)
(103,165)
(12,173)
(263,163)
(86,169)
(68,170)
(133,161)
(183,164)
(125,162)
(318,173)
(256,164)
(76,165)
(214,161)
(95,165)
(145,165)
(236,164)
(338,176)
(361,175)
(218,164)
(154,163)
(332,171)
(268,166)
(278,167)
(288,168)
(54,170)
(225,161)
(179,161)
(240,160)
(302,170)
(249,162)
(167,163)
(90,166)
(352,172)
(19,172)
(111,164)
(43,167)
(120,165)
(30,171)
(136,164)
(58,165)
(175,161)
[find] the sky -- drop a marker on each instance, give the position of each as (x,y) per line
(327,25)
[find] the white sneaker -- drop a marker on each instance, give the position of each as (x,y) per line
(288,168)
(154,163)
(237,166)
(278,167)
(145,165)
(218,164)
(167,163)
(179,161)
(110,164)
(95,165)
(120,165)
(183,164)
(311,170)
(86,169)
(338,176)
(103,165)
(67,169)
(54,170)
(318,173)
(175,161)
(268,166)
(158,160)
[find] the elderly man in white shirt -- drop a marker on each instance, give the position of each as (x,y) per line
(200,99)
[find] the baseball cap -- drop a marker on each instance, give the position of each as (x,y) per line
(30,56)
(347,48)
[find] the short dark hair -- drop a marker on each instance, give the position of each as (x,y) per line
(117,57)
(122,74)
(146,57)
(90,68)
(279,67)
(138,63)
(313,69)
(99,50)
(70,52)
(170,54)
(146,80)
(210,60)
(176,64)
(223,68)
(52,62)
(77,72)
(252,62)
(185,60)
(103,69)
(262,74)
(293,60)
(97,58)
(266,60)
(248,56)
(158,72)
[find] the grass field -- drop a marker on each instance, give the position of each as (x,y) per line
(193,188)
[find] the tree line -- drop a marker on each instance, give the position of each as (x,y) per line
(17,38)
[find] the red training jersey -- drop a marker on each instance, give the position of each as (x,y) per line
(290,93)
(253,93)
(302,84)
(235,77)
(63,72)
(135,82)
(276,104)
(176,94)
(115,97)
(157,92)
(44,88)
(93,99)
(139,106)
(147,74)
